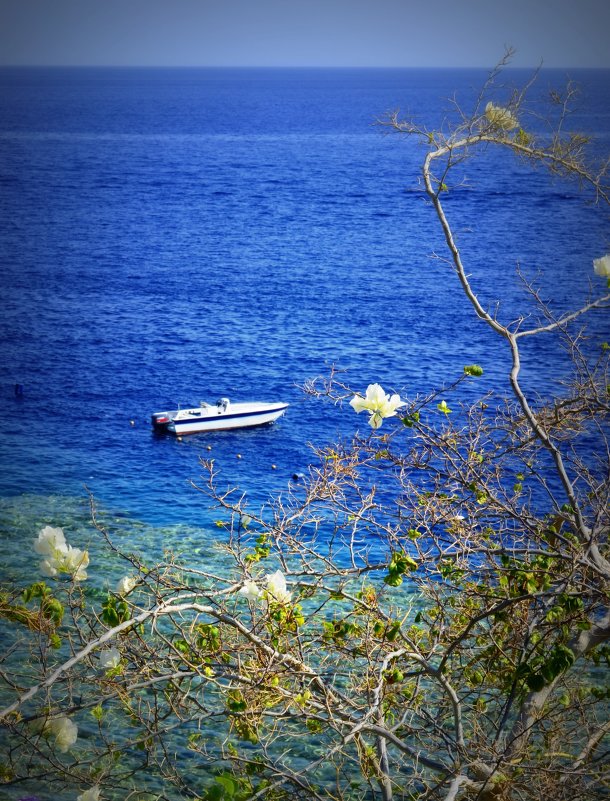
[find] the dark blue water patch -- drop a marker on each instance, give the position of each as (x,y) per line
(174,236)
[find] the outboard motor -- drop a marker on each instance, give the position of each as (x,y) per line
(222,404)
(160,420)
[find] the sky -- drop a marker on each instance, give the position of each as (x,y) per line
(333,33)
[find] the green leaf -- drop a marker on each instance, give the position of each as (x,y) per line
(410,419)
(53,610)
(473,370)
(392,632)
(442,407)
(394,676)
(535,682)
(114,611)
(228,784)
(215,793)
(37,590)
(400,563)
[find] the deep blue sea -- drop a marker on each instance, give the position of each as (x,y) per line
(168,236)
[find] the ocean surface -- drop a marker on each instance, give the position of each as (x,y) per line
(169,236)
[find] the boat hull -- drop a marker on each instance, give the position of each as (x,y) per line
(200,420)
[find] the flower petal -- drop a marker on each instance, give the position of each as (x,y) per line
(375,395)
(109,658)
(251,590)
(276,587)
(49,541)
(501,117)
(602,266)
(358,404)
(125,585)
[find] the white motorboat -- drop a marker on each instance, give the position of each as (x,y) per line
(217,417)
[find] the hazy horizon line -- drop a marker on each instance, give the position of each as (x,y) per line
(302,66)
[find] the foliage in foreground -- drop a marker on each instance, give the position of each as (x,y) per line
(425,617)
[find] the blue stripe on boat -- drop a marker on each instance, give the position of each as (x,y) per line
(209,418)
